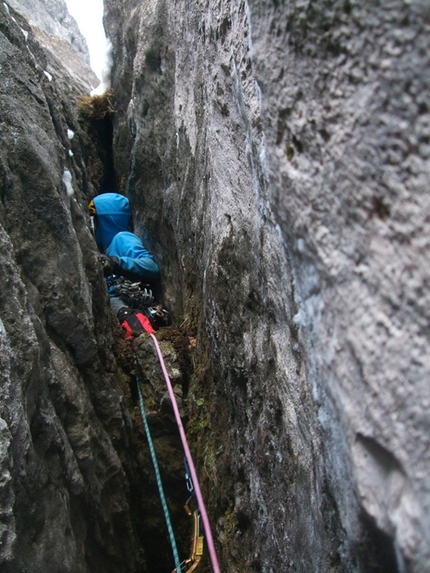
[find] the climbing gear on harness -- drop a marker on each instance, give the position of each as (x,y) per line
(138,313)
(159,482)
(157,316)
(133,294)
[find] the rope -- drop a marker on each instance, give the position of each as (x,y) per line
(199,497)
(159,482)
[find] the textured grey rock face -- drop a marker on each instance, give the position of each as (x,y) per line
(64,495)
(54,18)
(277,155)
(58,32)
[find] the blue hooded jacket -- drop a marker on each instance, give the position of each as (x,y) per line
(113,216)
(133,257)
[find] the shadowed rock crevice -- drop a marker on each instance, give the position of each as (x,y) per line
(271,153)
(104,130)
(276,159)
(66,497)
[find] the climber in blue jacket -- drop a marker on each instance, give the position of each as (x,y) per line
(124,256)
(124,252)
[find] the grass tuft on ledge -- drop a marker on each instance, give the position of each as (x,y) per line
(96,107)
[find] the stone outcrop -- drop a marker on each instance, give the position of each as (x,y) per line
(54,18)
(276,158)
(57,31)
(65,487)
(276,155)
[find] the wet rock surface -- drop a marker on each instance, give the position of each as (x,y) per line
(276,155)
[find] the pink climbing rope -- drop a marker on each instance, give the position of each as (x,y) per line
(199,497)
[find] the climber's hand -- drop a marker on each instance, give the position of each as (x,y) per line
(106,265)
(116,268)
(109,265)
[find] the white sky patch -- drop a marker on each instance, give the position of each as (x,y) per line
(89,16)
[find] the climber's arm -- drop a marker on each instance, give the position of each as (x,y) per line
(145,267)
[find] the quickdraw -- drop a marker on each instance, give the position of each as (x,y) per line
(198,539)
(197,543)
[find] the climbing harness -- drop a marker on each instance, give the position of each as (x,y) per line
(132,293)
(159,482)
(139,312)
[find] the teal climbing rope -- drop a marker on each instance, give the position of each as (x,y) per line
(159,482)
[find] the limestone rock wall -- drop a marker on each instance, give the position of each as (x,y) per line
(276,154)
(53,17)
(57,31)
(65,432)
